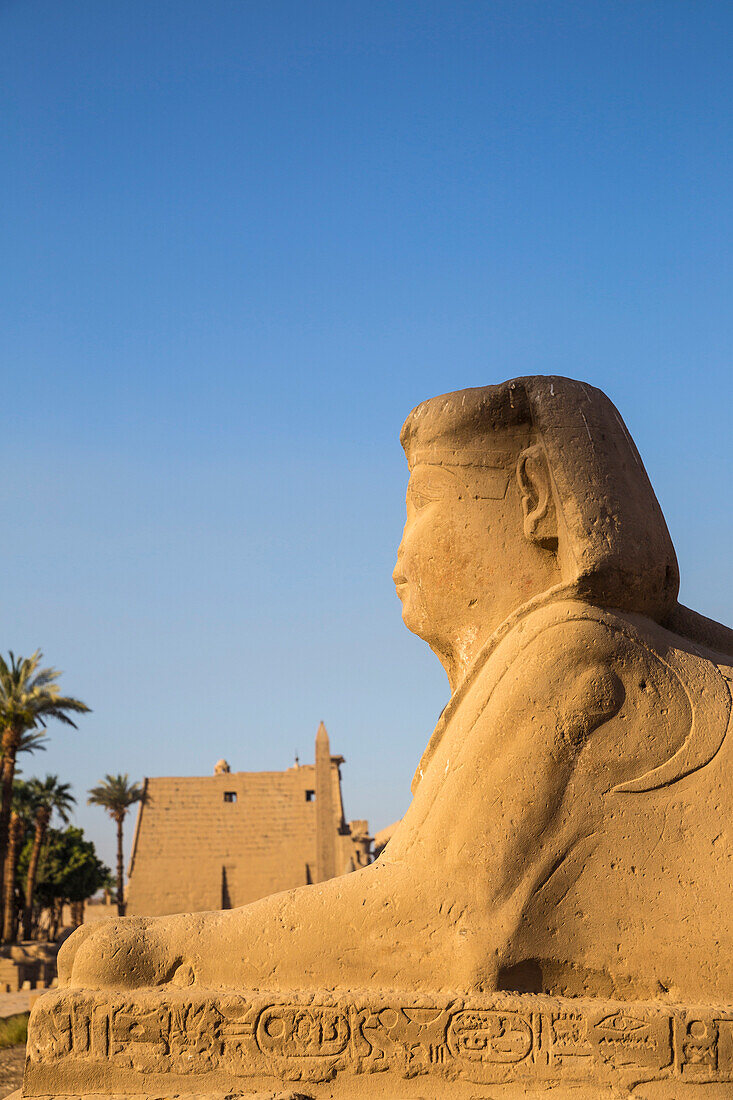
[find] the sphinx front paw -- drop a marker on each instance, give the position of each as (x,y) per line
(123,954)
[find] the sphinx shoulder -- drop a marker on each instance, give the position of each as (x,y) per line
(661,705)
(573,634)
(579,666)
(572,642)
(568,677)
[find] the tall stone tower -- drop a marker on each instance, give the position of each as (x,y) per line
(325,833)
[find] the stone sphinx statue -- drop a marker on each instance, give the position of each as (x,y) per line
(570,831)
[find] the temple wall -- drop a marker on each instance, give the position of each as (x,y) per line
(196,849)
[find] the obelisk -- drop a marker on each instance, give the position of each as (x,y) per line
(325,833)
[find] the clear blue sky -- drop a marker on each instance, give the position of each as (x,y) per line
(240,241)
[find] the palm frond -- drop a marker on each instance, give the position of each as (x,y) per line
(115,794)
(29,695)
(32,740)
(53,796)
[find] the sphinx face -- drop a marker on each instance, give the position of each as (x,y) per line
(454,558)
(464,563)
(430,539)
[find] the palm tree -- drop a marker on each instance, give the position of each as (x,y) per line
(29,695)
(116,794)
(31,741)
(20,814)
(46,797)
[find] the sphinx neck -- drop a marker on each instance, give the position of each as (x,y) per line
(469,652)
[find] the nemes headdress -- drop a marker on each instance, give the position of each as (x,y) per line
(619,549)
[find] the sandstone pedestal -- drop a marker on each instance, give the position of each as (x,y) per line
(395,1045)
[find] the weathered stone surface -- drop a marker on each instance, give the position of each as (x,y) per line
(173,1043)
(557,902)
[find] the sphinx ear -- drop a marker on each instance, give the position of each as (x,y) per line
(538,504)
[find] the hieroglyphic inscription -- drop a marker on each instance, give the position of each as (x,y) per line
(303,1032)
(704,1045)
(177,1037)
(627,1039)
(50,1036)
(505,1038)
(489,1036)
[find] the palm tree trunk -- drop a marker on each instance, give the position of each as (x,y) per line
(57,910)
(120,871)
(30,882)
(9,745)
(11,861)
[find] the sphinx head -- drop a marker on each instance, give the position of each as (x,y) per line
(516,490)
